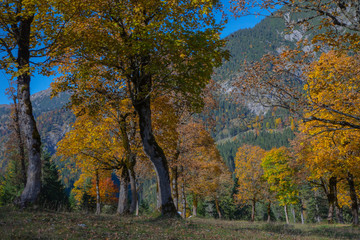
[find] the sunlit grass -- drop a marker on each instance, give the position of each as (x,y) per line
(15,224)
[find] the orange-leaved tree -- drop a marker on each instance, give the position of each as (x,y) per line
(251,185)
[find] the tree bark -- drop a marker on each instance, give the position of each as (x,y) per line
(195,204)
(130,161)
(253,209)
(20,142)
(354,201)
(269,212)
(286,214)
(123,206)
(28,124)
(155,153)
(98,202)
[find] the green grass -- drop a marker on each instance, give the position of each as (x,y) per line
(15,224)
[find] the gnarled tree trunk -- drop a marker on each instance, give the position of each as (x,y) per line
(27,121)
(156,155)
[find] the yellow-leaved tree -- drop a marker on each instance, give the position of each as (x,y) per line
(280,177)
(252,185)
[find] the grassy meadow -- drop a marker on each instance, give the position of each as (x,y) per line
(15,224)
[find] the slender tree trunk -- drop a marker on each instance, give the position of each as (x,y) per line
(269,212)
(318,218)
(98,202)
(28,124)
(154,151)
(286,214)
(123,206)
(293,213)
(137,208)
(218,207)
(175,190)
(253,210)
(195,204)
(354,200)
(302,212)
(183,196)
(20,142)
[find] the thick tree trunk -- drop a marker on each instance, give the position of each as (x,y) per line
(331,199)
(253,209)
(20,142)
(195,204)
(269,212)
(354,201)
(134,199)
(175,190)
(123,206)
(28,124)
(129,162)
(286,214)
(183,196)
(218,208)
(156,155)
(98,201)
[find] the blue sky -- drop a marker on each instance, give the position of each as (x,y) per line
(39,83)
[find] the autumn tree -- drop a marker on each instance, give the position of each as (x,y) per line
(280,177)
(29,30)
(152,47)
(333,91)
(102,142)
(249,173)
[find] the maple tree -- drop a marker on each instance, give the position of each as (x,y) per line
(280,176)
(147,48)
(249,173)
(102,142)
